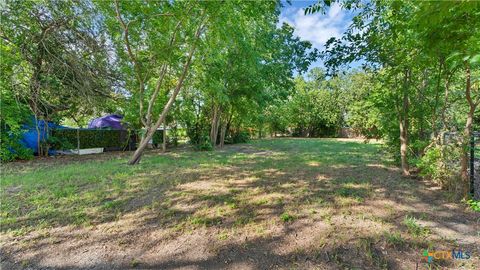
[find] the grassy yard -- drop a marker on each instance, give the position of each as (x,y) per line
(283,203)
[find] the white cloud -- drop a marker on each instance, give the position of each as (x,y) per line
(316,28)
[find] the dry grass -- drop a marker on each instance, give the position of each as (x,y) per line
(285,203)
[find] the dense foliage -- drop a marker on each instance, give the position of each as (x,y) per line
(54,62)
(224,72)
(425,57)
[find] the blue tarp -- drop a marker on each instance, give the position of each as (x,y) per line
(30,137)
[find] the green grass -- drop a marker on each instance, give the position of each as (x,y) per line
(97,191)
(394,239)
(414,228)
(286,217)
(341,197)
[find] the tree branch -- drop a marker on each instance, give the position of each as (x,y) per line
(133,59)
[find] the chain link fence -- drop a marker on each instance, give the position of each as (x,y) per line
(474,165)
(451,138)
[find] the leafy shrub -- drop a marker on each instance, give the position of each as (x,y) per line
(318,131)
(441,164)
(157,138)
(196,134)
(54,143)
(286,217)
(204,145)
(11,149)
(474,205)
(241,136)
(59,143)
(12,116)
(173,136)
(429,164)
(417,146)
(199,137)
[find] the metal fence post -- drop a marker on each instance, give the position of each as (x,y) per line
(78,141)
(472,165)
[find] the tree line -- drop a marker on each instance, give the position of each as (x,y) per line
(210,66)
(224,69)
(424,58)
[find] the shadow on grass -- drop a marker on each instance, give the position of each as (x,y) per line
(240,186)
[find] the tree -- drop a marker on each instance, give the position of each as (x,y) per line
(157,42)
(314,107)
(13,113)
(62,59)
(239,72)
(459,22)
(422,52)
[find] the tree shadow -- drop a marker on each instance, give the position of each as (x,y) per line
(235,190)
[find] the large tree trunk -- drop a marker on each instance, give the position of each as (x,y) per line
(404,128)
(422,134)
(445,103)
(224,129)
(437,97)
(222,135)
(404,148)
(151,130)
(39,145)
(462,188)
(164,142)
(214,126)
(35,89)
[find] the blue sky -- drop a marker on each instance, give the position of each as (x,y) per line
(316,28)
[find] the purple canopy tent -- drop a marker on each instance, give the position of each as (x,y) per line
(112,121)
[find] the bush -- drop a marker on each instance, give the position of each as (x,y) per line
(286,217)
(11,149)
(474,205)
(242,136)
(441,164)
(199,138)
(157,138)
(172,138)
(204,146)
(319,131)
(54,143)
(175,134)
(12,117)
(92,138)
(13,114)
(430,162)
(197,134)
